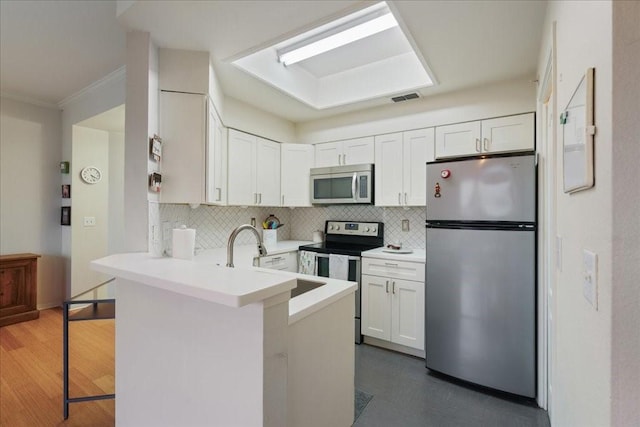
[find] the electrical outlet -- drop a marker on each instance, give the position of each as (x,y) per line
(253,222)
(590,277)
(89,221)
(405,225)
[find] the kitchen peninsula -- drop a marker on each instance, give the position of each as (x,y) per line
(200,344)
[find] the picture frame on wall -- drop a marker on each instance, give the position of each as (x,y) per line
(66,191)
(65,215)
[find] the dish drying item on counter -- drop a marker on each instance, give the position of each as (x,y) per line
(271,223)
(396,248)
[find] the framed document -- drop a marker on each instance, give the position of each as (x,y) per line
(578,131)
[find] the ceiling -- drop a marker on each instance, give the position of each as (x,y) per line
(51,50)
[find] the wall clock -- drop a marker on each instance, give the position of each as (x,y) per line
(91,175)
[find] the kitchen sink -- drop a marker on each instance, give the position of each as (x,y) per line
(305,286)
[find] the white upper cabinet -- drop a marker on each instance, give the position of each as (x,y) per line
(268,172)
(254,170)
(216,174)
(296,160)
(347,152)
(499,135)
(183,129)
(400,174)
(511,133)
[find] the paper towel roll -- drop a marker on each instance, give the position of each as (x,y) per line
(184,242)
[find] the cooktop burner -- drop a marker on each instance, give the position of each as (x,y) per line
(348,238)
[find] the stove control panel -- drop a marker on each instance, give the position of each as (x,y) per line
(353,228)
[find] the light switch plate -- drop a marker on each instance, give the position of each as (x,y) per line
(590,277)
(405,225)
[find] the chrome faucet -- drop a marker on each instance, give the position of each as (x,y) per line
(232,238)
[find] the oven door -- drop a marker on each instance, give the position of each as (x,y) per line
(322,268)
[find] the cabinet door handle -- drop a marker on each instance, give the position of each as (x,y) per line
(260,199)
(478,145)
(393,287)
(219,196)
(486,144)
(344,159)
(405,199)
(386,286)
(339,159)
(255,198)
(283,200)
(399,198)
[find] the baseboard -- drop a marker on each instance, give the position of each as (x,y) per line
(395,347)
(48,305)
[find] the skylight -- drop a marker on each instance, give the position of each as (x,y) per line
(361,56)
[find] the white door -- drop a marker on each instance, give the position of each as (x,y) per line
(328,154)
(183,131)
(376,307)
(358,151)
(418,149)
(216,160)
(268,172)
(296,160)
(242,166)
(461,139)
(407,308)
(388,172)
(505,134)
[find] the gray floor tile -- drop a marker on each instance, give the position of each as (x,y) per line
(405,394)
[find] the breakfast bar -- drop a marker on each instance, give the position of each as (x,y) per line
(201,344)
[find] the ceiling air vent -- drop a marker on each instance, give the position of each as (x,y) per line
(405,97)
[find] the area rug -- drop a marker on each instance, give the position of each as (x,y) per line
(362,399)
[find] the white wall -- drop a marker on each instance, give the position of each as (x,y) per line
(30,194)
(90,148)
(581,368)
(625,310)
(97,98)
(115,238)
(247,118)
(487,101)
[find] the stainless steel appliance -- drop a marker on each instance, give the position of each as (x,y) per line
(352,184)
(481,271)
(348,238)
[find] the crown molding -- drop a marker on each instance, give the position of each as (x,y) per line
(28,100)
(120,72)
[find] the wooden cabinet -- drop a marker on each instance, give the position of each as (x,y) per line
(400,160)
(295,162)
(18,288)
(499,135)
(287,261)
(254,170)
(347,152)
(392,305)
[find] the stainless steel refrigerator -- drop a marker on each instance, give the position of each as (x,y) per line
(481,271)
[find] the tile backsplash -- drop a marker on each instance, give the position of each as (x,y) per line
(213,224)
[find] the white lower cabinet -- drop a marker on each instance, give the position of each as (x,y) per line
(393,308)
(287,261)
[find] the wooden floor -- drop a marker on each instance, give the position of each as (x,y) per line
(31,372)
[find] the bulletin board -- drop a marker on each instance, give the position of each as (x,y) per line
(578,134)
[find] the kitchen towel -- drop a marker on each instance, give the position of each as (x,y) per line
(339,267)
(184,242)
(307,264)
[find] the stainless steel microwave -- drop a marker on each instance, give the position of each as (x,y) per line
(340,185)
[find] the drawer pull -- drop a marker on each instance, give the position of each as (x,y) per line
(391,264)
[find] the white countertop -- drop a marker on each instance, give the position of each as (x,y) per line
(205,277)
(417,255)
